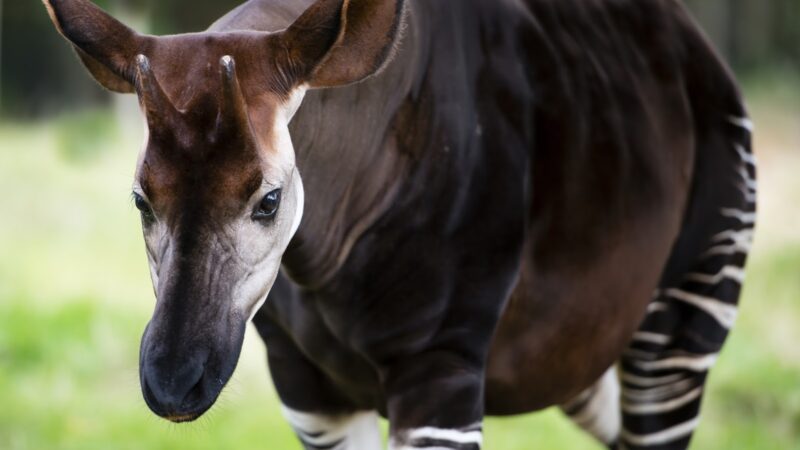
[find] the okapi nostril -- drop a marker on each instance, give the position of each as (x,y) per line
(169,390)
(196,390)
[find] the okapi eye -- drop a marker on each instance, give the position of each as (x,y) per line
(143,207)
(268,206)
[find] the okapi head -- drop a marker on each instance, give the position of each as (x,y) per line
(216,183)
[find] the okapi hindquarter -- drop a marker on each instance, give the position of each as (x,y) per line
(438,210)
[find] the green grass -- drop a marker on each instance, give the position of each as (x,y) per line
(75,296)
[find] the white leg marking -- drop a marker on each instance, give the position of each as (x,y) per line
(652,338)
(421,448)
(639,354)
(659,393)
(722,312)
(465,436)
(656,307)
(749,182)
(744,237)
(650,381)
(746,156)
(747,218)
(742,242)
(657,408)
(743,122)
(354,432)
(730,272)
(661,437)
(731,249)
(460,437)
(749,196)
(600,416)
(694,363)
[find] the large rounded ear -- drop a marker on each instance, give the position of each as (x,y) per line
(339,42)
(106,46)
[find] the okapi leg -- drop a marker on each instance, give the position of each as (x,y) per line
(320,415)
(596,410)
(664,370)
(357,431)
(435,402)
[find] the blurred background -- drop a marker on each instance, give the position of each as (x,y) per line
(75,292)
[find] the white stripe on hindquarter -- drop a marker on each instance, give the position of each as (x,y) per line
(661,437)
(650,381)
(654,307)
(746,156)
(662,407)
(652,338)
(694,363)
(722,312)
(659,393)
(745,217)
(749,182)
(728,272)
(742,122)
(600,415)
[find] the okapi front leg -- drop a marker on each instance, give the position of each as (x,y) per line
(435,401)
(320,415)
(353,431)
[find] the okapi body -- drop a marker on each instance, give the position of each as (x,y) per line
(504,205)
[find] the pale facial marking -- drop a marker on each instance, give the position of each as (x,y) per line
(256,247)
(268,270)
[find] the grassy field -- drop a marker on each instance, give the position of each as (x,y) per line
(75,295)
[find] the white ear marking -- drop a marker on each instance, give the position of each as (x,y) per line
(294,102)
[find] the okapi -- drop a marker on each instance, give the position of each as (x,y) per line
(504,205)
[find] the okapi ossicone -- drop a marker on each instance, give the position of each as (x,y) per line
(504,205)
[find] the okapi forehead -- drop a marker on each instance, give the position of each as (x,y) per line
(219,188)
(187,65)
(201,152)
(187,70)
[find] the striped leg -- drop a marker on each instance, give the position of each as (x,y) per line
(432,438)
(661,398)
(596,410)
(664,370)
(347,432)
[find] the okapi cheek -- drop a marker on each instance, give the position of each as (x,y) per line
(251,293)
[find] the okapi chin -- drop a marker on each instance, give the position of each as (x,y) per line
(504,205)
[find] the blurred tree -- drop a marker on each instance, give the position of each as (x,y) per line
(185,15)
(38,76)
(753,34)
(35,65)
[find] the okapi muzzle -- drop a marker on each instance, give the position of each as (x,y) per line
(216,183)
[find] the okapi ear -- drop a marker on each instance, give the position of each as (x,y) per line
(339,42)
(106,46)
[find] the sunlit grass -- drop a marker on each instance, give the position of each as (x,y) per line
(75,296)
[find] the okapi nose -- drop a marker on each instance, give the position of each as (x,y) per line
(172,389)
